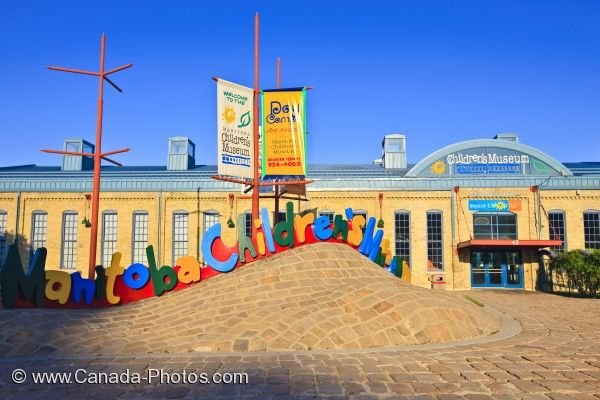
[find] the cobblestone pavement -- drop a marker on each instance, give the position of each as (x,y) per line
(318,297)
(556,355)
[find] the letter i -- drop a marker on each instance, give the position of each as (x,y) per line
(260,238)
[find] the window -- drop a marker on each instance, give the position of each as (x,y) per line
(556,229)
(180,235)
(494,226)
(402,235)
(140,237)
(435,256)
(73,146)
(69,240)
(280,216)
(248,223)
(591,229)
(360,212)
(178,147)
(211,218)
(109,237)
(3,228)
(39,229)
(393,146)
(327,213)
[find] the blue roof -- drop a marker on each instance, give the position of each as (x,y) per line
(334,177)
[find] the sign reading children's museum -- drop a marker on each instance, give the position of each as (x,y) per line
(234,129)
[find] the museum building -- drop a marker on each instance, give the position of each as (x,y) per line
(475,214)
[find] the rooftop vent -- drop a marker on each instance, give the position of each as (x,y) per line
(181,154)
(394,151)
(511,137)
(77,163)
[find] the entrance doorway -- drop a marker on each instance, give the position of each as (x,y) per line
(496,268)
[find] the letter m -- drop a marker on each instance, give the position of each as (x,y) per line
(13,277)
(370,245)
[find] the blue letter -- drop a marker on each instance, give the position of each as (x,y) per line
(321,228)
(212,234)
(370,245)
(142,276)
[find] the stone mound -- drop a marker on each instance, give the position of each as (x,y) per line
(320,296)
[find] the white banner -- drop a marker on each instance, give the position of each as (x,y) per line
(234,129)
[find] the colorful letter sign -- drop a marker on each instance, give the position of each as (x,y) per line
(284,130)
(235,139)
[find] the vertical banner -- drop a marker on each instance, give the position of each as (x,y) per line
(284,129)
(235,139)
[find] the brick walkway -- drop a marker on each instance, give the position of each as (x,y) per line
(555,356)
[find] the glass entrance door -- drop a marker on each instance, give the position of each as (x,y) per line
(496,268)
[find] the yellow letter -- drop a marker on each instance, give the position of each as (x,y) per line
(63,281)
(355,236)
(260,238)
(386,251)
(112,272)
(189,271)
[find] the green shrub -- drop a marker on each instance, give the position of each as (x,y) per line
(581,269)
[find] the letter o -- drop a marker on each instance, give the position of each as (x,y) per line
(142,273)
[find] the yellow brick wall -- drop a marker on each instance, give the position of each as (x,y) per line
(417,203)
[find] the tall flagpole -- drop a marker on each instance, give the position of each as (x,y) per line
(98,156)
(255,191)
(278,85)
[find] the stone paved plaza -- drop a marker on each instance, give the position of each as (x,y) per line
(547,348)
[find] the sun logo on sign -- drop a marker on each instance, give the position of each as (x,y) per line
(229,115)
(438,167)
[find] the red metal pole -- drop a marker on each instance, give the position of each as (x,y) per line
(97,165)
(255,191)
(278,80)
(278,84)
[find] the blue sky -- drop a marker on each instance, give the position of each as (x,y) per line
(437,71)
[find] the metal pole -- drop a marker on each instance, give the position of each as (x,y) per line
(97,165)
(278,84)
(255,192)
(278,76)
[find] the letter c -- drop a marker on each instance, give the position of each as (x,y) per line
(213,233)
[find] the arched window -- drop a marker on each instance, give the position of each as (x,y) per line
(39,229)
(557,229)
(402,235)
(139,237)
(248,223)
(180,234)
(3,230)
(435,248)
(358,212)
(591,229)
(69,240)
(210,217)
(327,213)
(109,236)
(494,225)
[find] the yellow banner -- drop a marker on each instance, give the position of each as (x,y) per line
(284,130)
